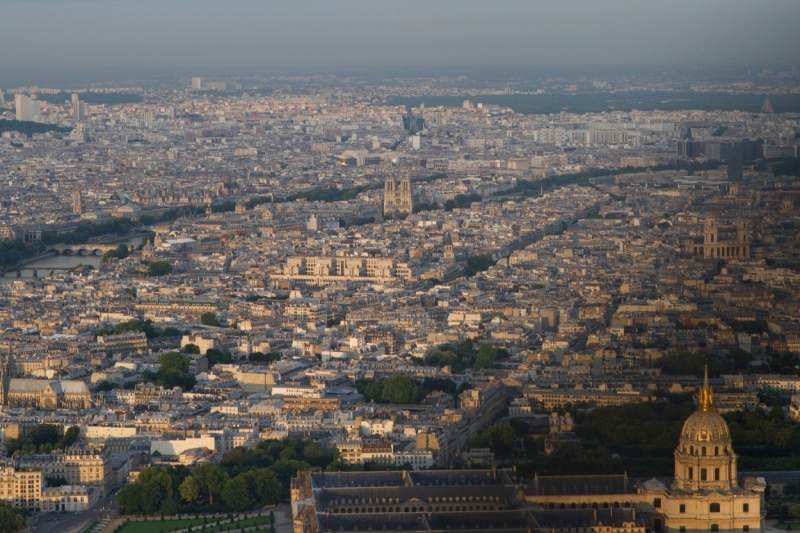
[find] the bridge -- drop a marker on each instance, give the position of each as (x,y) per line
(81,249)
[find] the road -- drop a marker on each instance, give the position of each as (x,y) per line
(70,522)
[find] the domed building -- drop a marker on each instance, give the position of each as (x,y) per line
(704,495)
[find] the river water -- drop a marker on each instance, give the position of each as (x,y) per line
(44,265)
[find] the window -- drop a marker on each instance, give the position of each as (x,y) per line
(713,508)
(683,529)
(716,450)
(716,474)
(703,451)
(714,528)
(683,508)
(691,450)
(746,509)
(657,503)
(691,473)
(703,474)
(745,528)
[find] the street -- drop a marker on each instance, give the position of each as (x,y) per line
(69,522)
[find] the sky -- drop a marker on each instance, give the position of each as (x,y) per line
(323,35)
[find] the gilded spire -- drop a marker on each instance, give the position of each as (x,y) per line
(706,396)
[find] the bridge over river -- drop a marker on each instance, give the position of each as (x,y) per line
(81,249)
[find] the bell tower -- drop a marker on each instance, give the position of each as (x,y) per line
(743,236)
(711,231)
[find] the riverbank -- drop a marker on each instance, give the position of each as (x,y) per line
(36,258)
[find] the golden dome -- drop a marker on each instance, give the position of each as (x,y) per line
(706,425)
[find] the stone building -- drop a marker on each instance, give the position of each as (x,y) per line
(715,245)
(703,496)
(41,393)
(398,196)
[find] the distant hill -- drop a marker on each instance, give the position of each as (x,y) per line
(29,128)
(597,102)
(93,98)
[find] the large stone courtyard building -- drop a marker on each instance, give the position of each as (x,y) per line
(703,497)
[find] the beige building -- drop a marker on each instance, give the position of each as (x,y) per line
(398,196)
(21,487)
(704,495)
(79,466)
(720,247)
(324,270)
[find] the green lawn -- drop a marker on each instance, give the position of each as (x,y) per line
(155,525)
(791,526)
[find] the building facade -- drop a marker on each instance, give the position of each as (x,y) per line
(398,196)
(704,495)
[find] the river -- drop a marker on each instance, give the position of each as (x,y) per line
(44,264)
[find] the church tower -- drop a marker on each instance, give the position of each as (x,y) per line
(6,373)
(704,460)
(397,196)
(743,236)
(710,231)
(449,252)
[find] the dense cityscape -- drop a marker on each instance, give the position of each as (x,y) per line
(559,302)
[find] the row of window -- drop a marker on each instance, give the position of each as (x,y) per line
(712,507)
(704,474)
(421,509)
(715,528)
(702,450)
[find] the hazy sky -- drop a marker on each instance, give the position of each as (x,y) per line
(325,34)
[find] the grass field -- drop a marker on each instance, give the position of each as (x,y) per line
(791,526)
(156,525)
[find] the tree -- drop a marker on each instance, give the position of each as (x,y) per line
(105,386)
(268,487)
(147,220)
(500,438)
(174,361)
(236,493)
(120,252)
(191,348)
(10,522)
(217,356)
(129,499)
(44,433)
(150,497)
(189,490)
(209,319)
(259,356)
(159,477)
(487,355)
(400,389)
(210,479)
(71,435)
(159,268)
(374,391)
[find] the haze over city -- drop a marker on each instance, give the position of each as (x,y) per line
(319,267)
